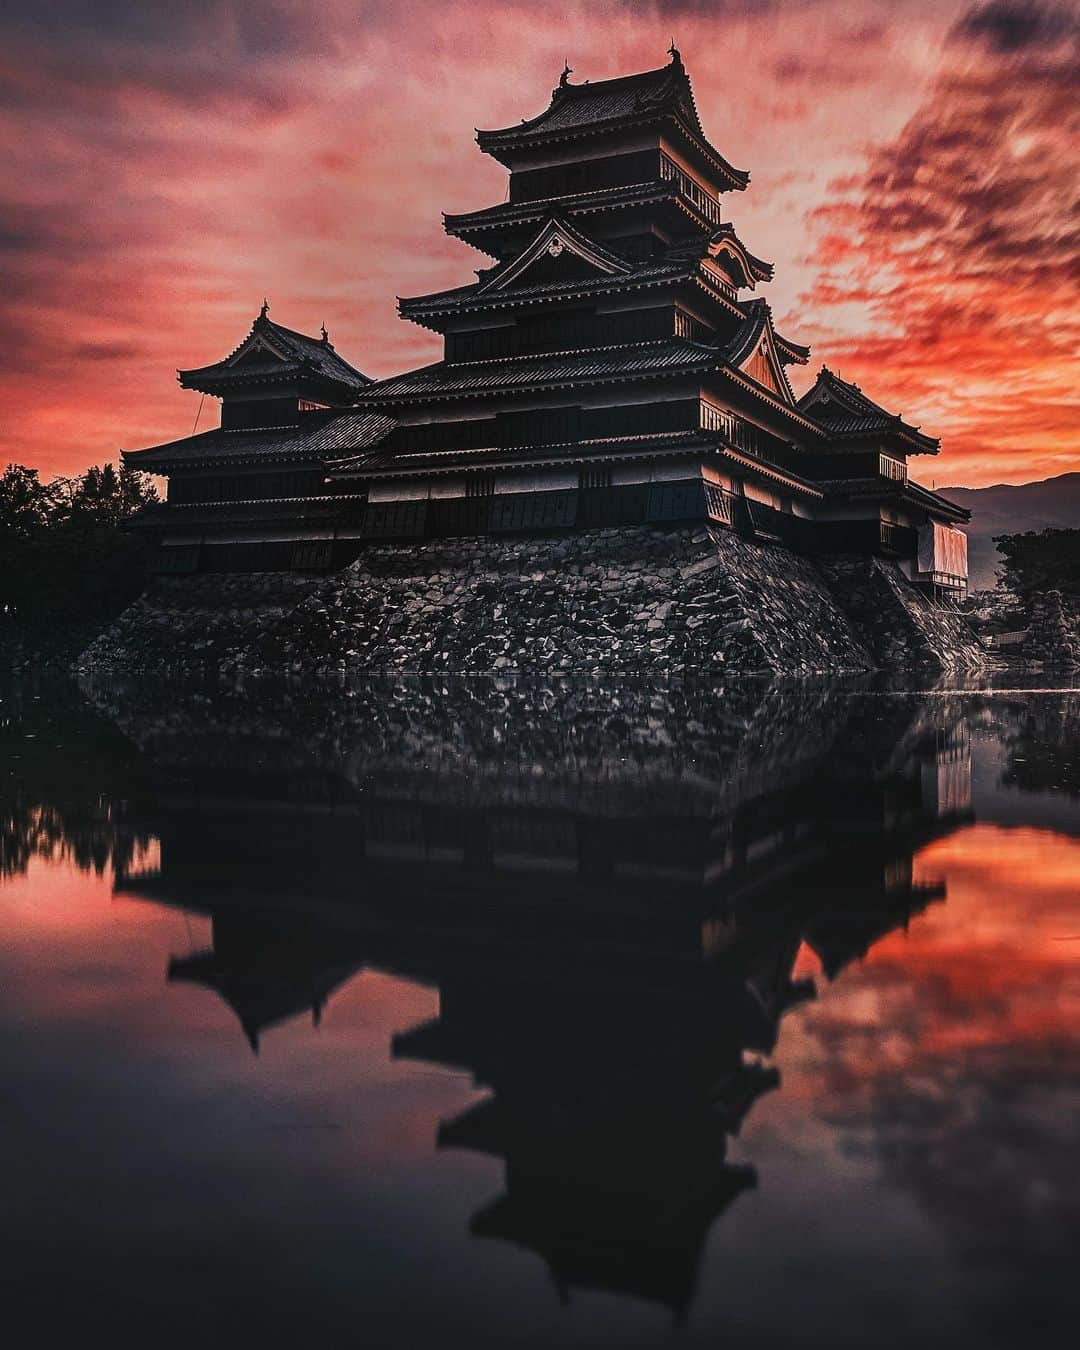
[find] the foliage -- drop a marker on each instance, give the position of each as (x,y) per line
(65,558)
(71,781)
(1041,560)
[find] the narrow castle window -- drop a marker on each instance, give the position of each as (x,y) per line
(480,485)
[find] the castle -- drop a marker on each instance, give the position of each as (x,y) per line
(612,369)
(612,366)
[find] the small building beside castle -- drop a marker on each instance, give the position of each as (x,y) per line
(612,366)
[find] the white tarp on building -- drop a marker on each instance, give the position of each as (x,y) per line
(943,549)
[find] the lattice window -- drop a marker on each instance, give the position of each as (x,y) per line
(594,476)
(480,485)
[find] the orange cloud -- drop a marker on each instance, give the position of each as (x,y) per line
(948,273)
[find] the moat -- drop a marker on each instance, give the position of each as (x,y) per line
(581,1012)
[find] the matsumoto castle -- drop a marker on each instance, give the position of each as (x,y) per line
(612,365)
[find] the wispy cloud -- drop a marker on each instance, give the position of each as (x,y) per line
(948,270)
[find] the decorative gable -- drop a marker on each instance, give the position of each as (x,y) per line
(255,352)
(760,368)
(763,365)
(558,253)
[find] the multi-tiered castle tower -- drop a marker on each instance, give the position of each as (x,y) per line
(613,365)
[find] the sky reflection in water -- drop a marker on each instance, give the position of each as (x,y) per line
(526,1015)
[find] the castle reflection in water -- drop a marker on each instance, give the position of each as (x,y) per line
(613,889)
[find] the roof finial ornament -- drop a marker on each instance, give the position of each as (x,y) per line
(325,334)
(673,52)
(265,308)
(564,78)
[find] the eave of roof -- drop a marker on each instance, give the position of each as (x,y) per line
(911,491)
(258,509)
(464,298)
(509,215)
(505,214)
(859,415)
(598,450)
(937,501)
(772,471)
(601,450)
(298,443)
(771,399)
(298,354)
(473,379)
(424,310)
(611,105)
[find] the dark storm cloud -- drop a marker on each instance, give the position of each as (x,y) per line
(255,27)
(1014,26)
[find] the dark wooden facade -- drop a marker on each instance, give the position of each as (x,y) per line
(612,366)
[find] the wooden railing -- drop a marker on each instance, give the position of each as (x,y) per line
(743,435)
(721,505)
(708,206)
(895,469)
(899,539)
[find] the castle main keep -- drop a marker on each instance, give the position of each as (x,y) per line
(611,376)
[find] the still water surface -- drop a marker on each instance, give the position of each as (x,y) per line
(511,1015)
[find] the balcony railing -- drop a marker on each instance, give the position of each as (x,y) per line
(723,506)
(895,469)
(898,539)
(742,435)
(693,192)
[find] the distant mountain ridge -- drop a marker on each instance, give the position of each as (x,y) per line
(1008,508)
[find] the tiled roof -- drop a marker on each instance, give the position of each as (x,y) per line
(575,203)
(576,106)
(325,436)
(595,450)
(748,335)
(760,270)
(842,409)
(518,372)
(289,352)
(577,109)
(759,317)
(935,500)
(462,296)
(885,487)
(311,509)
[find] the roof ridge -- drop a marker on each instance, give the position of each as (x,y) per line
(604,86)
(295,333)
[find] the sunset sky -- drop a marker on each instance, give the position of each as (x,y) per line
(915,181)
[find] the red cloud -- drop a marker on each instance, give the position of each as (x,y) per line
(960,248)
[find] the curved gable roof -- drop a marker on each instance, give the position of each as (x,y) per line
(842,409)
(554,242)
(581,109)
(271,349)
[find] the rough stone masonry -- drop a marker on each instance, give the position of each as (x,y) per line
(628,600)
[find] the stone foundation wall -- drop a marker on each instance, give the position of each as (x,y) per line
(209,619)
(618,600)
(899,624)
(629,600)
